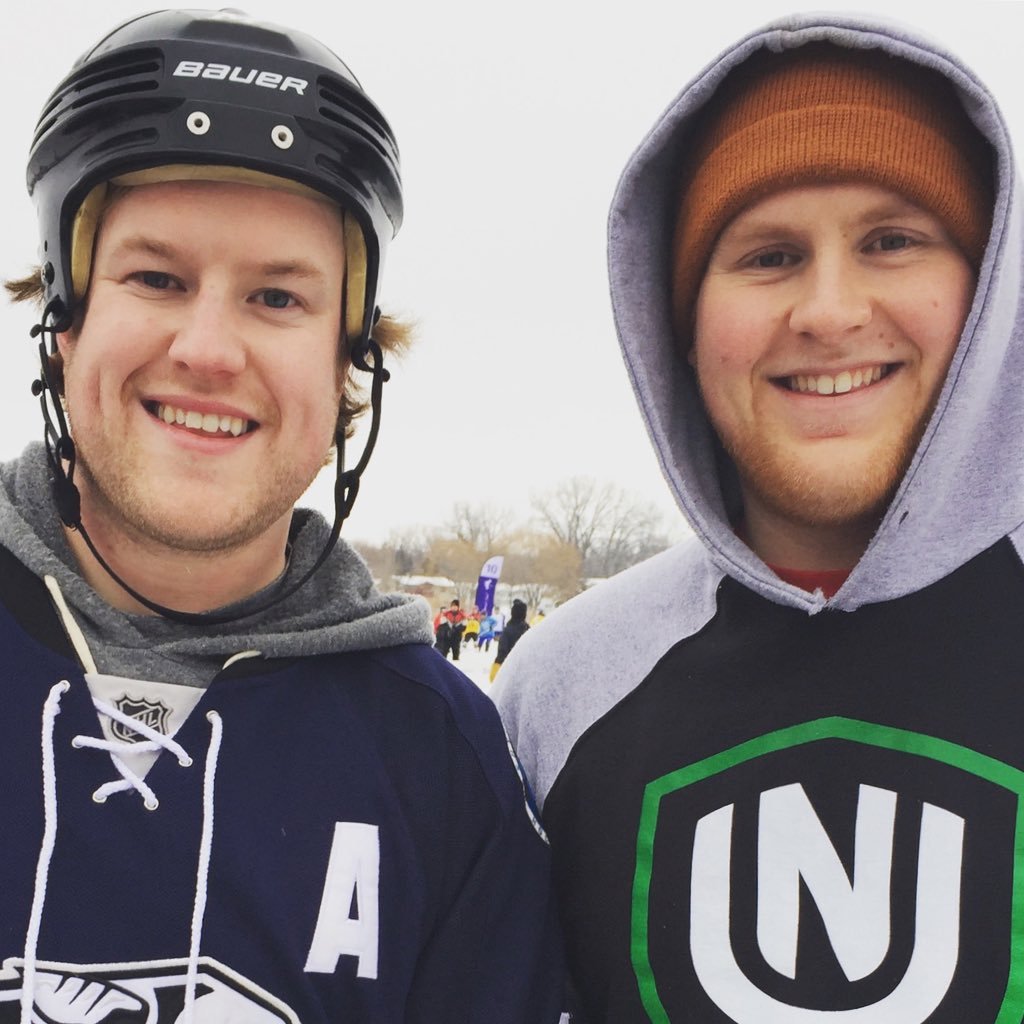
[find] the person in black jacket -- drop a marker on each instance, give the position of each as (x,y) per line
(517,626)
(825,333)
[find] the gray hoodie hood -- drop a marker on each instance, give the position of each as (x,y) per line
(339,609)
(964,489)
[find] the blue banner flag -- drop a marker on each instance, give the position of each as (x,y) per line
(487,583)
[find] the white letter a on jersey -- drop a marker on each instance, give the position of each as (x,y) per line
(353,876)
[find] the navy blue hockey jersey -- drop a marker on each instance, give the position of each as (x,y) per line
(339,838)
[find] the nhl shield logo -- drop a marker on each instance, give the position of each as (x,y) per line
(835,872)
(151,713)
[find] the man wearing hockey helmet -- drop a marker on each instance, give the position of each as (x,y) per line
(261,795)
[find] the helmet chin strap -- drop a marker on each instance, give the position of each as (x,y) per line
(60,453)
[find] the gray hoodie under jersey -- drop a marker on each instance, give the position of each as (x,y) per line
(721,757)
(339,609)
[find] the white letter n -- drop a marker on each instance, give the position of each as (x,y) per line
(353,875)
(792,844)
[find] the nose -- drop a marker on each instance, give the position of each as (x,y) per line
(831,300)
(208,339)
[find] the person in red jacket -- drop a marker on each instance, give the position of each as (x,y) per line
(456,618)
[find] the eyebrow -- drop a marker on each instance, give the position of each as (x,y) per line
(295,268)
(290,268)
(140,243)
(768,228)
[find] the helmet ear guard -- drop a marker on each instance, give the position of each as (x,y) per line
(217,96)
(355,279)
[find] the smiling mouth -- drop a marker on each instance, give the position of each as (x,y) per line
(837,384)
(200,423)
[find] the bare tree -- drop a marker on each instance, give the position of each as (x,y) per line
(573,511)
(482,525)
(460,561)
(409,547)
(539,566)
(588,529)
(402,554)
(609,527)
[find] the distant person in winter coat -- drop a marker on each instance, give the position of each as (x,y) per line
(517,626)
(443,635)
(456,618)
(488,624)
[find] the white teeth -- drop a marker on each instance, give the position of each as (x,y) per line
(840,384)
(208,423)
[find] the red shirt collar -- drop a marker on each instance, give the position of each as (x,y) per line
(828,581)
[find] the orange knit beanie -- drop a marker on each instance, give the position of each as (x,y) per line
(825,114)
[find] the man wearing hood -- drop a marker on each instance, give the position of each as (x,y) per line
(511,635)
(803,803)
(239,783)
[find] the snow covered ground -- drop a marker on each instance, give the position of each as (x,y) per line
(477,663)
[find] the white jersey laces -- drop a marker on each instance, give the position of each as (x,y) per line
(129,780)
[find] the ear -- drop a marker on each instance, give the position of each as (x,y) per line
(55,368)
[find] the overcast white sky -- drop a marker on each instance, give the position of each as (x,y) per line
(514,123)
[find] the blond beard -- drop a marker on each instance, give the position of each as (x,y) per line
(783,485)
(114,498)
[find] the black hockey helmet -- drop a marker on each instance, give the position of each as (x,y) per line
(220,91)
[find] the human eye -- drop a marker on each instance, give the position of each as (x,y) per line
(276,298)
(890,241)
(770,259)
(155,279)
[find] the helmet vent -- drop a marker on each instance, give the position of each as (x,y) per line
(121,89)
(128,65)
(81,107)
(119,76)
(343,106)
